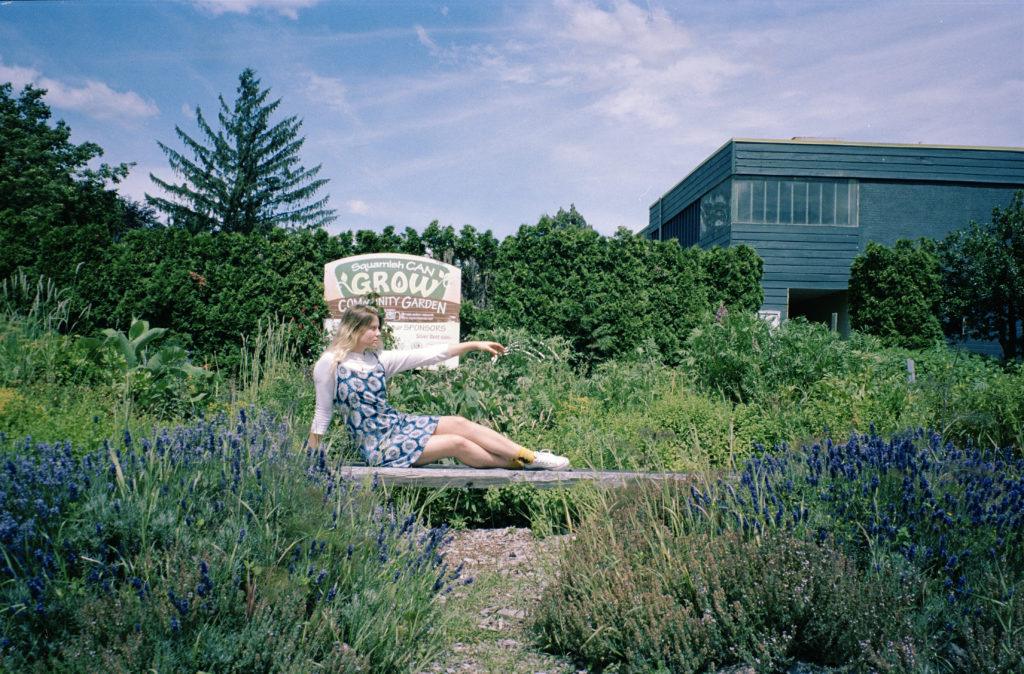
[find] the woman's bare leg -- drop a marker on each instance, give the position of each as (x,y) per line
(455,446)
(470,443)
(491,440)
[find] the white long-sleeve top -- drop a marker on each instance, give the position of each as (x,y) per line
(324,374)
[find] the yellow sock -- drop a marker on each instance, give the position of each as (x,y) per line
(523,457)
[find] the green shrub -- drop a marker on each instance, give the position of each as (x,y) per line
(740,355)
(876,554)
(631,384)
(895,293)
(929,509)
(275,375)
(873,389)
(638,593)
(996,639)
(968,396)
(516,394)
(727,354)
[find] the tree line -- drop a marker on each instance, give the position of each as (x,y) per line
(243,240)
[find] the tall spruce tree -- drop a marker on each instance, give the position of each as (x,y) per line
(244,177)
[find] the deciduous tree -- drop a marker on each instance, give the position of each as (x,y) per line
(983,278)
(55,212)
(894,293)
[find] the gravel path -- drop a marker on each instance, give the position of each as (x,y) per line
(510,569)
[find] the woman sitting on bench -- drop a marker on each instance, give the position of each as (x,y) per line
(352,375)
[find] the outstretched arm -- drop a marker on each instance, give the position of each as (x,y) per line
(493,348)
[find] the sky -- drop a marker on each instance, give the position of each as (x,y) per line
(492,114)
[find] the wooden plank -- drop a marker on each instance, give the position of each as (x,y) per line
(437,476)
(780,288)
(827,265)
(805,256)
(875,169)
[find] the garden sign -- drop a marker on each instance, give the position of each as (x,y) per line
(420,296)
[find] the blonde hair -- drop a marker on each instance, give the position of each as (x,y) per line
(354,321)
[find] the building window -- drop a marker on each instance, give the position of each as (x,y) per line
(714,209)
(794,202)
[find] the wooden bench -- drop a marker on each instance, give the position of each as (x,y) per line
(440,476)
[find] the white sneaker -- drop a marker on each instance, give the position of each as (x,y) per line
(545,460)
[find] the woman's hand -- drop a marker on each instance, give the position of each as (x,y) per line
(493,348)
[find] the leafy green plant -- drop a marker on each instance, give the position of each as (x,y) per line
(272,374)
(920,535)
(726,354)
(157,380)
(514,394)
(983,278)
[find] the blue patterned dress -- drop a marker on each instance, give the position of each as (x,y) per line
(384,436)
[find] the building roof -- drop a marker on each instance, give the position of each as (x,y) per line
(821,157)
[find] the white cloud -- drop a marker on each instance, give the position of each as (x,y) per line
(357,207)
(93,98)
(330,92)
(421,35)
(18,77)
(288,8)
(98,100)
(622,63)
(642,65)
(651,33)
(450,54)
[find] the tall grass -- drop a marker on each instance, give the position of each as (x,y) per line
(35,319)
(268,355)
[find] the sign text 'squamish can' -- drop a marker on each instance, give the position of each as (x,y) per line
(420,296)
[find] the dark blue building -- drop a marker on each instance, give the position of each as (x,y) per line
(809,207)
